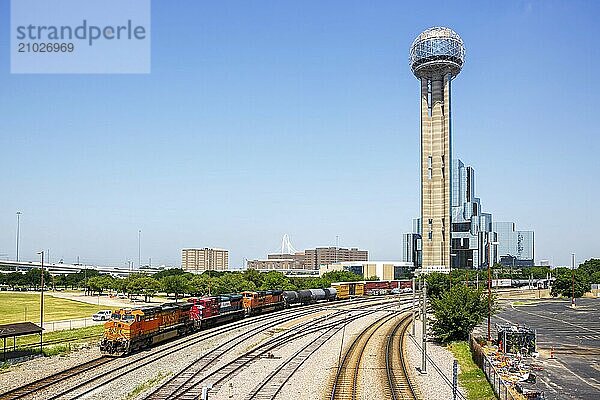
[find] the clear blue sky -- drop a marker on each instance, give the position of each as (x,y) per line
(268,117)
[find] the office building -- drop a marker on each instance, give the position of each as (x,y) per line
(198,260)
(515,248)
(310,259)
(436,58)
(314,258)
(384,270)
(471,227)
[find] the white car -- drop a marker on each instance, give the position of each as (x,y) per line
(102,315)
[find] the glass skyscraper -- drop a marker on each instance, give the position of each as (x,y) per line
(515,247)
(471,229)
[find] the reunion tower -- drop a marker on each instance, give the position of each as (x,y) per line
(436,57)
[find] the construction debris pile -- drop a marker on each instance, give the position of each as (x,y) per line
(514,359)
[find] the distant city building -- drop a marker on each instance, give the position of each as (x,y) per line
(314,258)
(384,270)
(310,259)
(471,227)
(204,259)
(279,262)
(515,248)
(411,248)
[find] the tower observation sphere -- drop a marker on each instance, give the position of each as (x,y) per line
(436,52)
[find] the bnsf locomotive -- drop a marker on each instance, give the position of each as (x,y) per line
(131,329)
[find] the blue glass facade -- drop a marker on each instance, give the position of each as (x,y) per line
(471,228)
(514,246)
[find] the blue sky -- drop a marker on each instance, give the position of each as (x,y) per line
(267,117)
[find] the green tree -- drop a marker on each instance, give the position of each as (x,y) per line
(276,280)
(168,272)
(176,284)
(201,285)
(563,285)
(254,276)
(149,287)
(233,282)
(457,311)
(341,276)
(437,284)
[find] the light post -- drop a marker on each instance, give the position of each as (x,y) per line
(452,258)
(18,231)
(139,248)
(41,253)
(467,270)
(489,262)
(572,279)
(424,332)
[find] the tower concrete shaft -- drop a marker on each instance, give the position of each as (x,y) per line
(435,170)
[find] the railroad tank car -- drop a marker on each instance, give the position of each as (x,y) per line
(305,296)
(318,294)
(331,294)
(131,329)
(290,297)
(264,301)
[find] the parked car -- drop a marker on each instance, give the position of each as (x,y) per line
(102,315)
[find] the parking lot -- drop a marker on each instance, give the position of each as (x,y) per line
(568,341)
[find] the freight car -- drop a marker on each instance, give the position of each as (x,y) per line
(131,329)
(308,296)
(215,310)
(346,290)
(261,302)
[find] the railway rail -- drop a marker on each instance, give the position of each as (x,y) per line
(397,383)
(137,361)
(188,384)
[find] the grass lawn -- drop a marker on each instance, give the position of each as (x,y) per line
(20,307)
(471,377)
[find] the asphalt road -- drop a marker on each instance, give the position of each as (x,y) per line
(574,337)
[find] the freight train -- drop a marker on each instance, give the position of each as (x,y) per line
(132,329)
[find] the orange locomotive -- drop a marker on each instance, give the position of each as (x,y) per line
(130,329)
(259,302)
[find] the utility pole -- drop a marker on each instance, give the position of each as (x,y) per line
(414,293)
(41,253)
(18,231)
(489,271)
(572,279)
(139,248)
(424,333)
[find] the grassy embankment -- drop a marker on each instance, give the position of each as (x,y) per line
(19,307)
(471,377)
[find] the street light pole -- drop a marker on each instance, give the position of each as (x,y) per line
(489,317)
(489,271)
(139,248)
(18,231)
(41,253)
(572,279)
(424,333)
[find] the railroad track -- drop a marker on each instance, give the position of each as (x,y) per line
(270,388)
(43,383)
(139,360)
(396,381)
(345,384)
(188,384)
(399,384)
